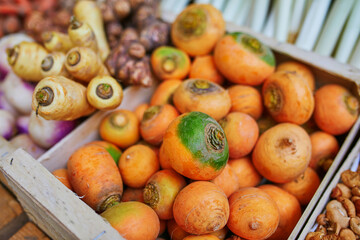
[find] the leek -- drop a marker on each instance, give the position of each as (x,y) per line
(355,58)
(298,12)
(312,25)
(243,13)
(351,33)
(269,28)
(335,22)
(219,4)
(282,19)
(231,9)
(260,9)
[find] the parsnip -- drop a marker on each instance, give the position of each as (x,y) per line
(59,98)
(82,35)
(88,12)
(56,41)
(54,64)
(104,92)
(25,60)
(84,64)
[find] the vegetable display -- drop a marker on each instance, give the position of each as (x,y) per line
(232,144)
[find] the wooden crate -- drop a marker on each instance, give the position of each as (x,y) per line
(57,210)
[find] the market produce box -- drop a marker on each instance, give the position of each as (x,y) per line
(349,181)
(62,214)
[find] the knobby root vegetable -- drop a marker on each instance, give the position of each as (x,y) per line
(128,62)
(82,35)
(104,92)
(88,12)
(24,53)
(56,41)
(54,65)
(47,133)
(59,98)
(84,64)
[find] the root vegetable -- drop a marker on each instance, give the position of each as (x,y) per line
(9,41)
(243,59)
(355,225)
(175,231)
(133,194)
(131,165)
(82,35)
(7,124)
(348,205)
(282,153)
(59,98)
(246,99)
(170,63)
(84,64)
(88,12)
(95,177)
(140,109)
(128,62)
(246,173)
(114,151)
(56,41)
(203,96)
(300,69)
(155,35)
(201,207)
(104,93)
(24,53)
(62,175)
(253,214)
(18,93)
(155,121)
(242,133)
(336,109)
(161,190)
(203,67)
(47,133)
(54,65)
(22,124)
(121,128)
(196,146)
(129,219)
(282,91)
(5,104)
(164,92)
(347,234)
(197,29)
(25,142)
(227,180)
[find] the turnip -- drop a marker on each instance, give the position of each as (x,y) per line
(18,93)
(7,124)
(46,133)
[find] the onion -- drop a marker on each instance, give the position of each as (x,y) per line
(18,93)
(5,105)
(7,124)
(46,133)
(22,124)
(25,142)
(7,42)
